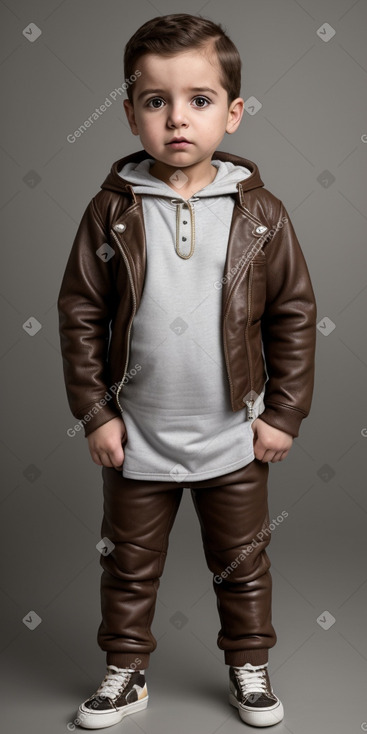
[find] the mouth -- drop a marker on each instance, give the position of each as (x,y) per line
(179,142)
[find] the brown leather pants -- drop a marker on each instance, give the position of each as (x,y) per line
(138,516)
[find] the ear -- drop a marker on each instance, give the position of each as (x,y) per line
(129,111)
(235,112)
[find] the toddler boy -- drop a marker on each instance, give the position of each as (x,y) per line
(187,327)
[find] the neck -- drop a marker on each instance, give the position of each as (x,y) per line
(197,176)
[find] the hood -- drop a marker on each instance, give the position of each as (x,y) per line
(225,182)
(131,174)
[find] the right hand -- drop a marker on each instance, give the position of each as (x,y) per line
(105,443)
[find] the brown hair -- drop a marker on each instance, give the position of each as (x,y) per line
(171,34)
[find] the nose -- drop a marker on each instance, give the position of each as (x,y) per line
(177,115)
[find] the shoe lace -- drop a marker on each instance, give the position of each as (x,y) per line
(252,681)
(113,682)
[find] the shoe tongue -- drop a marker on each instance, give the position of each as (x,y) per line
(115,668)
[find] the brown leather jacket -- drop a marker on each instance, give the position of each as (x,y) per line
(268,304)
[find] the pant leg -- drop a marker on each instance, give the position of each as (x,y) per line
(231,513)
(138,516)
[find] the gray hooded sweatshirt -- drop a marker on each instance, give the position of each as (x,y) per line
(176,405)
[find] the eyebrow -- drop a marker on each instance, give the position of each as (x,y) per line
(161,91)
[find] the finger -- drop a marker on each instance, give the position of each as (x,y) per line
(96,458)
(279,456)
(105,458)
(261,455)
(260,451)
(117,459)
(268,455)
(117,464)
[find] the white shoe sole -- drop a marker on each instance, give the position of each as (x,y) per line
(89,719)
(262,717)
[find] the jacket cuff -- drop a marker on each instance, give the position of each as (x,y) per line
(284,418)
(104,415)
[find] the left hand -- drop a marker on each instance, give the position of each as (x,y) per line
(270,444)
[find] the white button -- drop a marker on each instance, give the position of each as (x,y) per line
(120,227)
(261,229)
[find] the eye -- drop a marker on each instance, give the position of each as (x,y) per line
(154,99)
(202,99)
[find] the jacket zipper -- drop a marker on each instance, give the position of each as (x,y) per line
(249,403)
(131,319)
(225,317)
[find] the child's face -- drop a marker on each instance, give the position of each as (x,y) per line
(181,96)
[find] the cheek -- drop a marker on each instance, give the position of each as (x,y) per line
(150,127)
(217,122)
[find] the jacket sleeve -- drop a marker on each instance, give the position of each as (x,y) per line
(85,312)
(288,330)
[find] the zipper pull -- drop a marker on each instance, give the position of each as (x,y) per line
(250,409)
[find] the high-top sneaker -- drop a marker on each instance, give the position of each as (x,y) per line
(250,691)
(121,692)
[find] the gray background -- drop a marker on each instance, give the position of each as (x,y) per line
(312,121)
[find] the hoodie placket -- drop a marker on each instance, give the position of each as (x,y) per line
(185,227)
